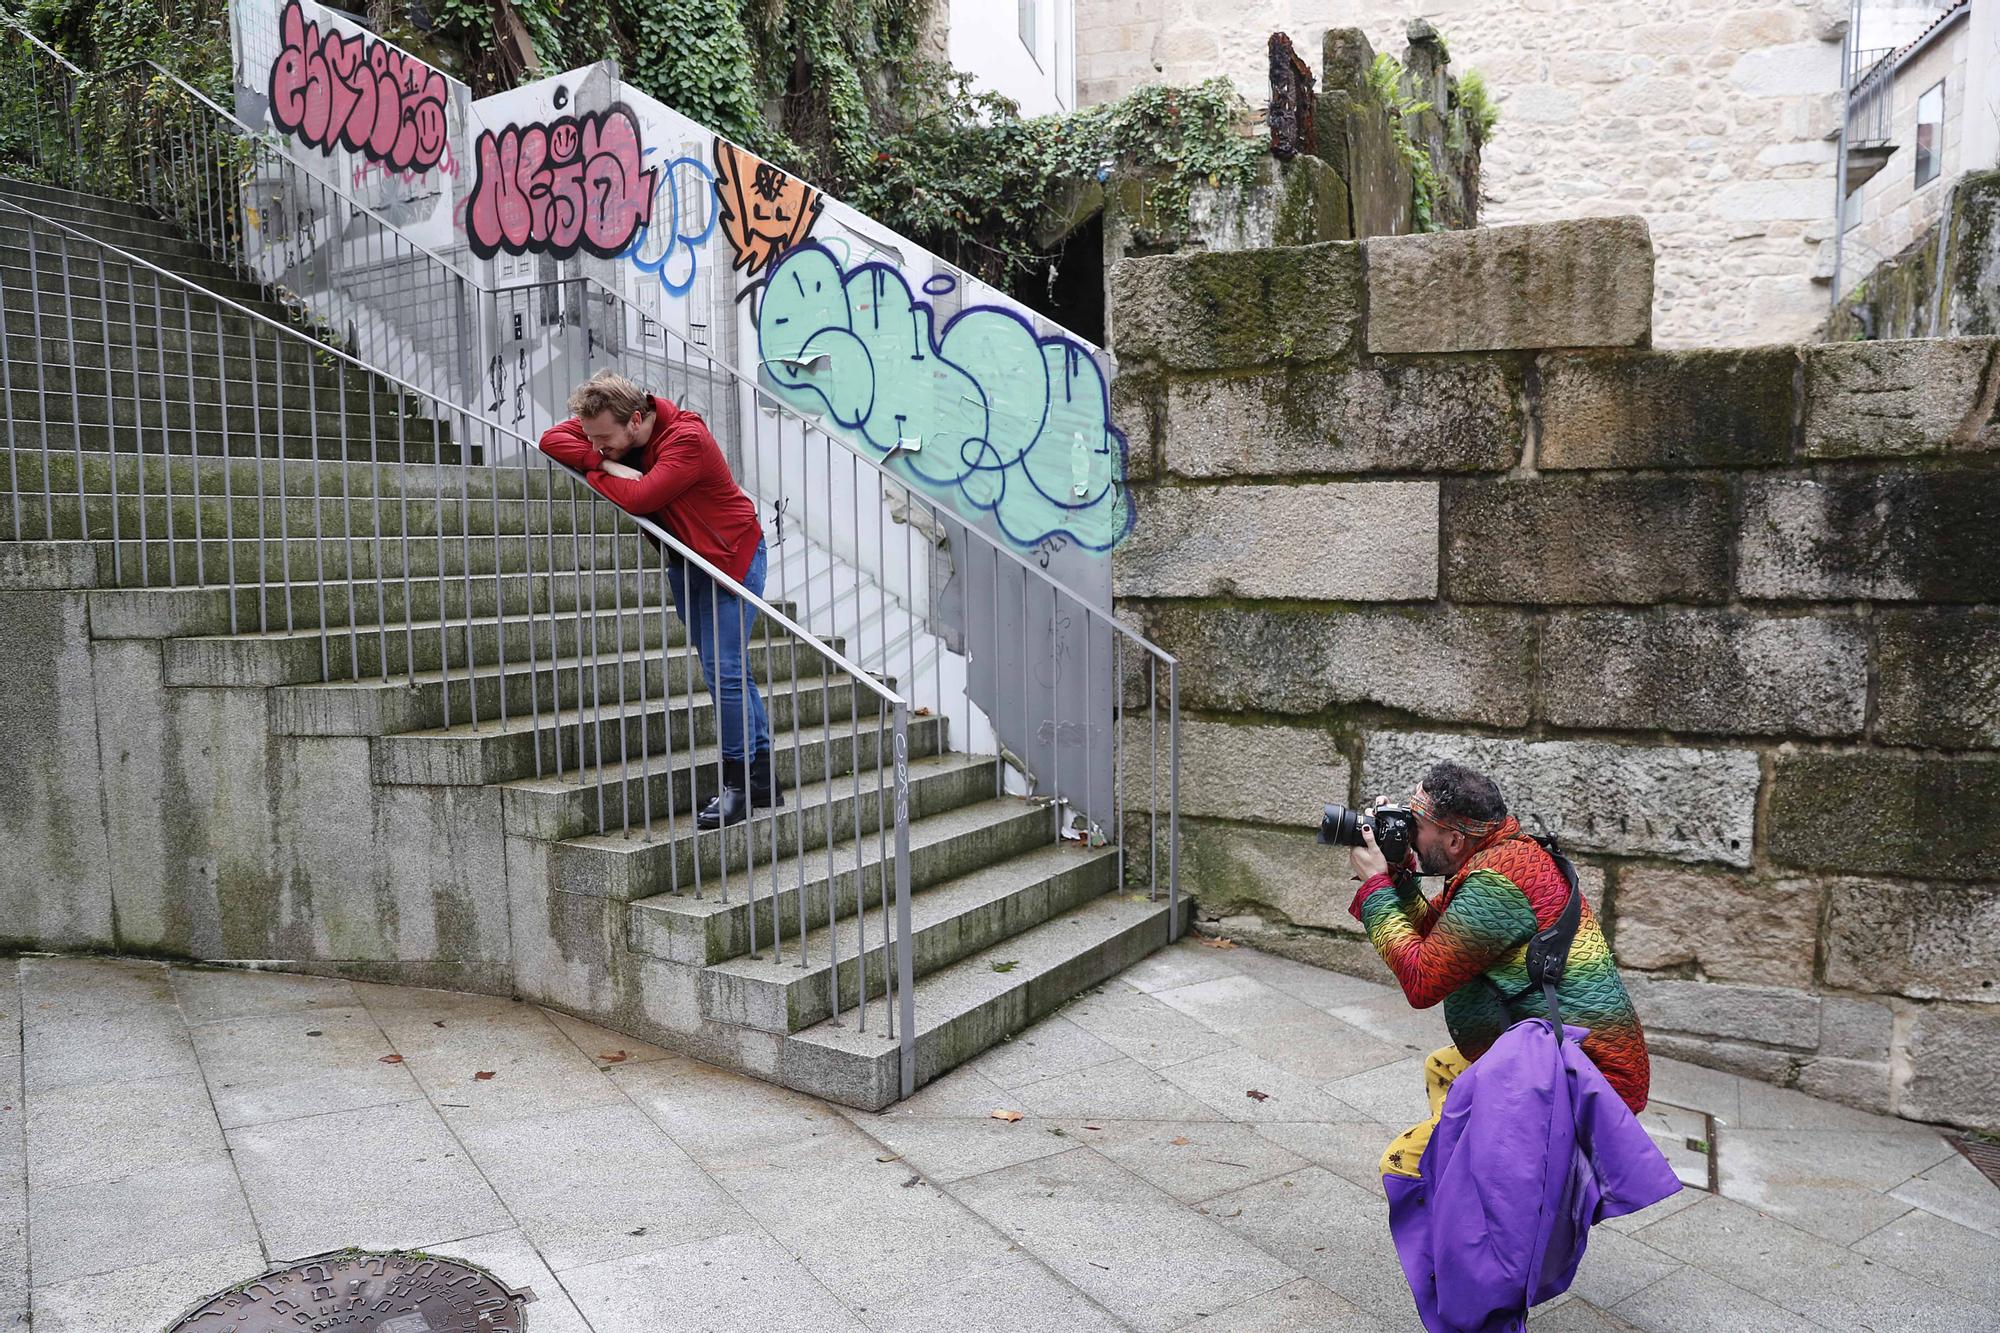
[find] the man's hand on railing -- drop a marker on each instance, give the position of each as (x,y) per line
(620,470)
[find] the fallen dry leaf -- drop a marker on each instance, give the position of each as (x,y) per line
(392,1059)
(483,1075)
(890,1157)
(1257,1096)
(1217,942)
(920,712)
(1181,1142)
(1093,1127)
(1009,1116)
(614,1057)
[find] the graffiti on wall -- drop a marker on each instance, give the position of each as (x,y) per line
(765,211)
(668,246)
(577,183)
(332,90)
(985,413)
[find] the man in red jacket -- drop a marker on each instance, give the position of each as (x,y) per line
(655,460)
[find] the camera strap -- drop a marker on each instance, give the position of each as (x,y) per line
(1548,950)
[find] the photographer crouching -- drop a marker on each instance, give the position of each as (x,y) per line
(1469,946)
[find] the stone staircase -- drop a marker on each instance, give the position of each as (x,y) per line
(367,705)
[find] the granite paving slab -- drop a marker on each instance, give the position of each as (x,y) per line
(376,1177)
(1128,1246)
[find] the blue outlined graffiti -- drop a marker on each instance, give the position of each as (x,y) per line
(664,247)
(985,414)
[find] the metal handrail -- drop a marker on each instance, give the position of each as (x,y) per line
(10,21)
(645,524)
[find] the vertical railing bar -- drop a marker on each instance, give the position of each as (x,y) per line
(854,755)
(13,444)
(624,712)
(375,545)
(691,670)
(882,865)
(1055,710)
(342,377)
(284,486)
(443,573)
(42,378)
(555,647)
(1118,752)
(753,467)
(228,470)
(749,789)
(596,662)
(166,435)
(465,555)
(1153,731)
(403,488)
(905,982)
(75,393)
(1173,802)
(1089,719)
(993,627)
(493,478)
(257,445)
(534,632)
(318,513)
(194,435)
(716,705)
(645,705)
(667,711)
(860,873)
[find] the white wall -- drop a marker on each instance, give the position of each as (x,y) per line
(1982,104)
(985,42)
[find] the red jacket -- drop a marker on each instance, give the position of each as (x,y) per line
(686,487)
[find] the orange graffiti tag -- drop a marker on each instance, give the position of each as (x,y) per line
(765,212)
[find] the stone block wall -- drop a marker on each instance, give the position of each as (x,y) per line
(1725,619)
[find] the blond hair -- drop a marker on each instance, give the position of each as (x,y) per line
(608,391)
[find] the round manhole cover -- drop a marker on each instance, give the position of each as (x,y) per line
(354,1292)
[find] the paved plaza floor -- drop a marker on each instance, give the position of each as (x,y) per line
(1195,1149)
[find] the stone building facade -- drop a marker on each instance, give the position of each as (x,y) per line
(1709,118)
(1725,618)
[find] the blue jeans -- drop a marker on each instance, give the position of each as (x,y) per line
(718,623)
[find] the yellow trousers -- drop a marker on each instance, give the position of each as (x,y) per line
(1400,1158)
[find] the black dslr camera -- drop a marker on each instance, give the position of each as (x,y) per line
(1395,827)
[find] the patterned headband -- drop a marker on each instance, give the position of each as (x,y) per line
(1475,829)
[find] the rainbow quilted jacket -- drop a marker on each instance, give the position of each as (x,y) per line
(1468,950)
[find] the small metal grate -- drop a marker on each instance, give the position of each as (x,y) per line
(1982,1153)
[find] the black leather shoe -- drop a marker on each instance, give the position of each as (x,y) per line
(732,807)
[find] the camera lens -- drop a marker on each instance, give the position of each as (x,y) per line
(1340,826)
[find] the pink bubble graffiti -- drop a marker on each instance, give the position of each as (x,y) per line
(553,189)
(336,91)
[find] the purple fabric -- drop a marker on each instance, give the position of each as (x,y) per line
(1534,1148)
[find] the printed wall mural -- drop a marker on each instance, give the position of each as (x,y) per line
(985,412)
(328,90)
